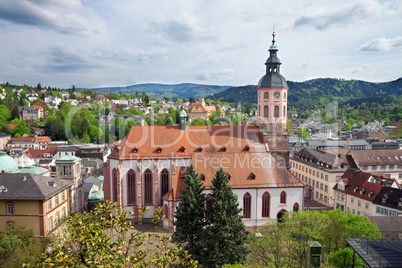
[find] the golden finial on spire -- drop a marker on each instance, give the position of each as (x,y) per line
(273,33)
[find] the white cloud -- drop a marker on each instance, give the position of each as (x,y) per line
(382,45)
(44,14)
(213,74)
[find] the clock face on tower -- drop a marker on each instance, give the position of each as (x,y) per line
(276,94)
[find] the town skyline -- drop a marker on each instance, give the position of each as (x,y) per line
(100,44)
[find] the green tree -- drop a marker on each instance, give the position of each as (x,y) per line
(225,235)
(303,133)
(285,243)
(6,113)
(105,238)
(190,216)
(344,258)
(197,122)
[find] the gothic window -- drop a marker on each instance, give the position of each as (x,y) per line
(284,111)
(131,187)
(265,111)
(114,182)
(247,206)
(148,187)
(276,111)
(265,205)
(296,207)
(164,181)
(266,95)
(283,197)
(166,211)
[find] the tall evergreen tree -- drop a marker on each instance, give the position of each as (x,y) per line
(225,233)
(190,216)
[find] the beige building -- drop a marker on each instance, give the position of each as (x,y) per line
(4,138)
(201,111)
(33,201)
(319,171)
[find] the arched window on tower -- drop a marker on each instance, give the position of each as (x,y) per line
(131,187)
(259,110)
(247,206)
(296,207)
(114,184)
(259,94)
(266,95)
(283,198)
(276,111)
(148,187)
(164,181)
(266,198)
(284,111)
(284,95)
(265,111)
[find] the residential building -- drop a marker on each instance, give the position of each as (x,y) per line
(4,138)
(100,151)
(33,201)
(387,163)
(32,95)
(28,113)
(355,192)
(319,171)
(201,111)
(39,110)
(388,202)
(348,144)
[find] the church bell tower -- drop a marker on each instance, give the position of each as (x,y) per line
(272,93)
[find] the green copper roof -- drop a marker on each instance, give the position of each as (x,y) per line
(7,163)
(31,170)
(68,157)
(183,113)
(273,47)
(96,197)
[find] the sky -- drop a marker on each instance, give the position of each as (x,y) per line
(99,43)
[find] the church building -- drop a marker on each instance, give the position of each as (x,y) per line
(148,166)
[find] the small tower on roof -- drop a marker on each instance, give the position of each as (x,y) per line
(272,93)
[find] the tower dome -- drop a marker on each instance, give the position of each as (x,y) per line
(272,78)
(7,163)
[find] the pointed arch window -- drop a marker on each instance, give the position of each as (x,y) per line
(284,110)
(265,111)
(283,198)
(164,181)
(131,187)
(247,206)
(148,187)
(266,95)
(266,198)
(276,111)
(114,184)
(296,207)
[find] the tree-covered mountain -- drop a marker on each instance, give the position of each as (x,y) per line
(316,93)
(185,90)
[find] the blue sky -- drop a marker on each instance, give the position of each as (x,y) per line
(95,43)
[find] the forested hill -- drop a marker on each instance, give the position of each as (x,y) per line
(316,92)
(185,90)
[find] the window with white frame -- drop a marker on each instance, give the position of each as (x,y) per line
(10,208)
(49,205)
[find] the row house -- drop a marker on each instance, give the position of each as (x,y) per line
(361,193)
(319,171)
(388,202)
(39,142)
(387,163)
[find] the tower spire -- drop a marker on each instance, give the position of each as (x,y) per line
(273,36)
